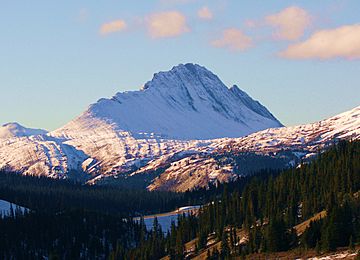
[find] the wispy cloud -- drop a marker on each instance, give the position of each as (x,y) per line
(325,44)
(112,27)
(166,24)
(290,23)
(205,13)
(234,40)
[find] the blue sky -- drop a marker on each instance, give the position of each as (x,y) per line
(301,59)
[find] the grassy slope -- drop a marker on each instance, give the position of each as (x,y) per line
(300,228)
(292,254)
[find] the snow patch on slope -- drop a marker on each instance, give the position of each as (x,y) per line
(39,155)
(6,208)
(192,172)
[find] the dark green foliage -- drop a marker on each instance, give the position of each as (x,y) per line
(269,206)
(277,236)
(225,249)
(312,235)
(69,235)
(44,194)
(351,244)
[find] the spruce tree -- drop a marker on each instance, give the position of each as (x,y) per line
(225,250)
(351,244)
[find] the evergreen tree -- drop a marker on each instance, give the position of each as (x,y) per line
(225,250)
(351,244)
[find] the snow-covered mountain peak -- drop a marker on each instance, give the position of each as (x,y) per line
(186,102)
(14,129)
(186,76)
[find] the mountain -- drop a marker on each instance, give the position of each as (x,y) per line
(12,130)
(270,148)
(182,130)
(188,102)
(124,133)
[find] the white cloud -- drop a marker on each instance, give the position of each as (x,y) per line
(233,39)
(166,24)
(112,27)
(325,44)
(290,23)
(205,13)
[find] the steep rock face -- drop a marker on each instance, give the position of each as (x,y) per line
(250,103)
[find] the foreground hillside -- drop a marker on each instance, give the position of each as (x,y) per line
(310,210)
(313,207)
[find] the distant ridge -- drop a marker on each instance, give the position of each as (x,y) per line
(14,129)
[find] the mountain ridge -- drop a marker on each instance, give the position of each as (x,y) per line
(111,156)
(187,102)
(139,132)
(287,145)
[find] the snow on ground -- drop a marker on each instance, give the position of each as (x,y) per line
(101,150)
(301,138)
(39,155)
(341,255)
(11,130)
(191,172)
(165,219)
(5,207)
